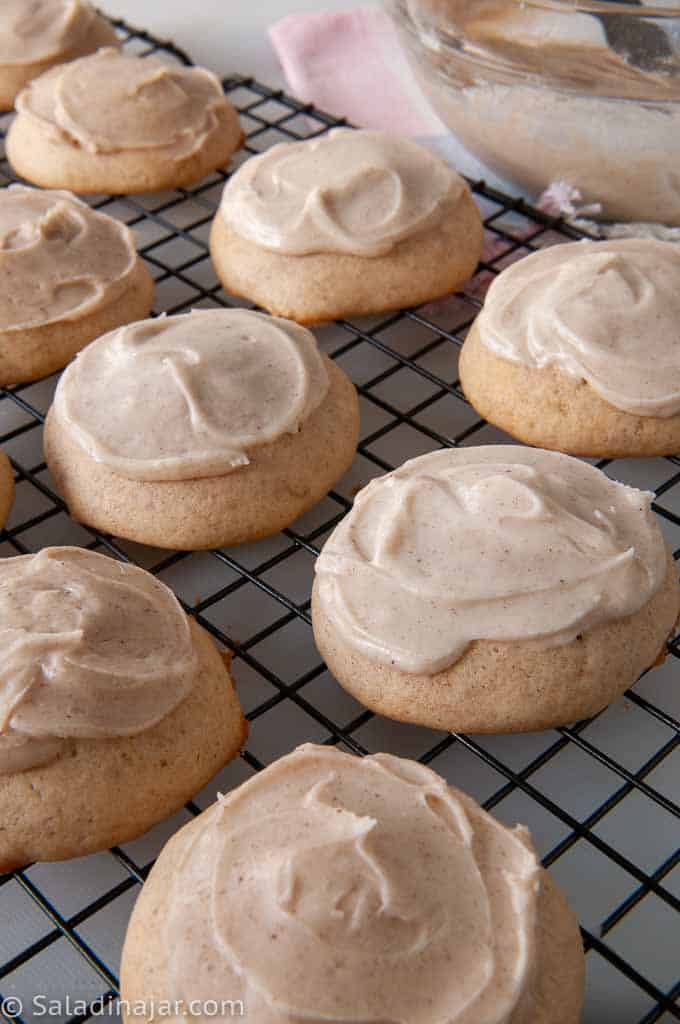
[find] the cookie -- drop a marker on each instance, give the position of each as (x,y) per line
(6,488)
(494,589)
(351,223)
(117,710)
(200,431)
(34,36)
(69,274)
(577,349)
(117,124)
(331,887)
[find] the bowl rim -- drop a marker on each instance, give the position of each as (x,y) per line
(628,8)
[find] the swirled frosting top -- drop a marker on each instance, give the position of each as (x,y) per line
(355,192)
(90,648)
(110,103)
(492,543)
(59,259)
(604,312)
(191,396)
(33,31)
(353,891)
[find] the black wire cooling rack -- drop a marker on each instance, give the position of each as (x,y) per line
(599,797)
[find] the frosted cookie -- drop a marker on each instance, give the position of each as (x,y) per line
(200,431)
(578,348)
(494,589)
(67,275)
(6,488)
(110,123)
(334,888)
(115,708)
(36,35)
(351,223)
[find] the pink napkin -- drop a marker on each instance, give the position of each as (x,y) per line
(349,63)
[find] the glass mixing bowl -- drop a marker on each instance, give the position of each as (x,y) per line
(546,91)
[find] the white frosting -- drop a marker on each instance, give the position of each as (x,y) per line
(492,543)
(110,103)
(59,259)
(39,31)
(604,312)
(353,891)
(191,396)
(90,648)
(355,192)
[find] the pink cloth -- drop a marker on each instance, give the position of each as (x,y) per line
(349,63)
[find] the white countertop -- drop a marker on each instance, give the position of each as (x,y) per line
(223,35)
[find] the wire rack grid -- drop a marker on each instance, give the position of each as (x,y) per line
(599,797)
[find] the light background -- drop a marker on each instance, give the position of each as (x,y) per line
(224,35)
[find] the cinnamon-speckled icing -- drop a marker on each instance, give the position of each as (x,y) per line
(59,259)
(191,396)
(604,312)
(110,103)
(90,648)
(37,31)
(491,543)
(355,192)
(353,891)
